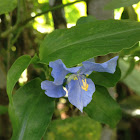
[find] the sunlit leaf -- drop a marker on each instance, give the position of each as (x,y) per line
(30,112)
(7,5)
(120,3)
(15,71)
(75,128)
(103,108)
(85,41)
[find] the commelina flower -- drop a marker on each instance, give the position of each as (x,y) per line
(80,88)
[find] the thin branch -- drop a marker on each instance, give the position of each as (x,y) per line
(51,9)
(23,23)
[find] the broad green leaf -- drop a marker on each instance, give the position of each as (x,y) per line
(30,112)
(74,128)
(15,71)
(3,109)
(88,40)
(131,106)
(103,107)
(7,6)
(133,79)
(120,3)
(106,79)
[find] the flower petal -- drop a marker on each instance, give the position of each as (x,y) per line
(52,90)
(83,70)
(77,96)
(60,71)
(108,66)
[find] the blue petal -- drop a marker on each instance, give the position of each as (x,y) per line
(109,66)
(79,97)
(52,90)
(60,71)
(83,70)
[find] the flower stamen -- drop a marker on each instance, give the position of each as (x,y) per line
(85,85)
(75,78)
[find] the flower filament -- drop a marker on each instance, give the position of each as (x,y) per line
(75,78)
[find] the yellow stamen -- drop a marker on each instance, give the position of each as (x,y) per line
(85,85)
(75,78)
(87,75)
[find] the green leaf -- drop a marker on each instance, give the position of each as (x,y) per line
(74,128)
(87,19)
(7,6)
(106,79)
(131,67)
(120,3)
(133,79)
(85,41)
(15,71)
(30,112)
(3,109)
(103,107)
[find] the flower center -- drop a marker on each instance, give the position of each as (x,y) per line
(85,85)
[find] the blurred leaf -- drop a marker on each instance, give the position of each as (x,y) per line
(3,109)
(103,108)
(15,71)
(131,106)
(75,128)
(31,112)
(85,41)
(71,12)
(106,79)
(129,13)
(87,19)
(133,79)
(131,67)
(120,3)
(7,6)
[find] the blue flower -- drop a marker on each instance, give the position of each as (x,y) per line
(80,88)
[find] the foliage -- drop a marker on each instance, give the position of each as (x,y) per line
(7,6)
(100,35)
(132,80)
(34,115)
(75,128)
(120,3)
(103,106)
(31,115)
